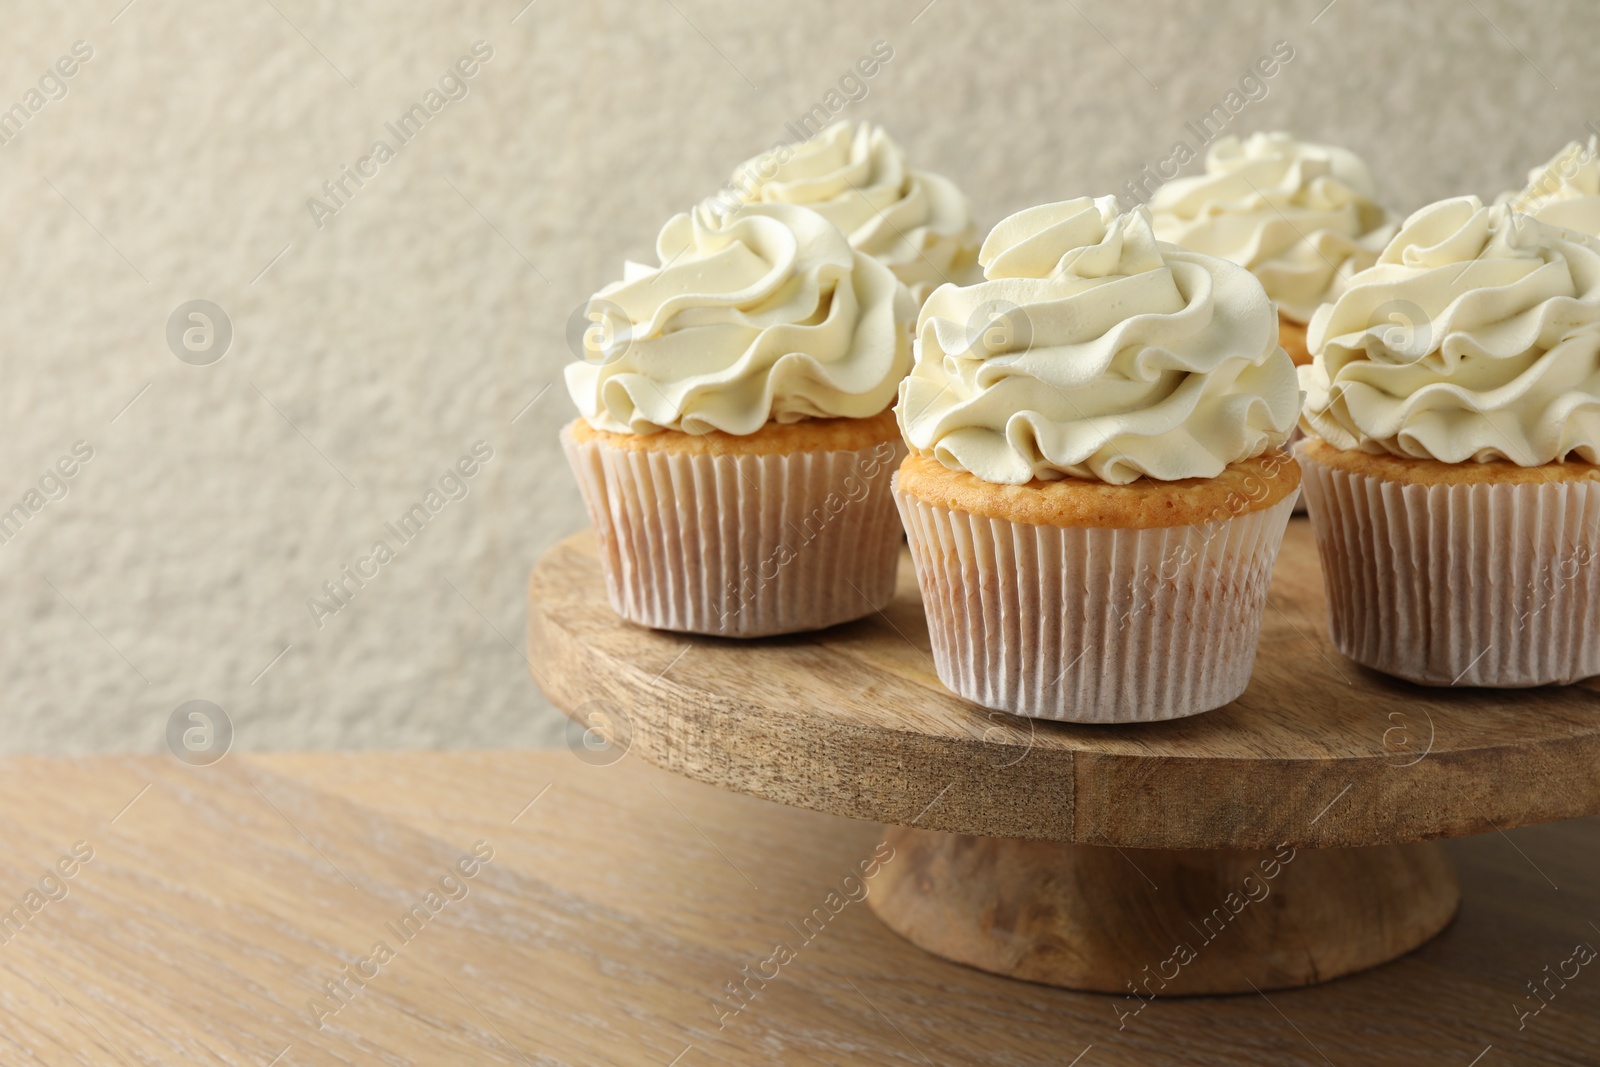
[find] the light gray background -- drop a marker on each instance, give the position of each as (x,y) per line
(423,317)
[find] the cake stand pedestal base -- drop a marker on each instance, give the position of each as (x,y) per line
(1159,922)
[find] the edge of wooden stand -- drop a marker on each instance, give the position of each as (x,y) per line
(801,721)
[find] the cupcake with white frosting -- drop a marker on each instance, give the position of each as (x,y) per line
(1303,217)
(1565,191)
(1095,493)
(736,443)
(858,178)
(1454,408)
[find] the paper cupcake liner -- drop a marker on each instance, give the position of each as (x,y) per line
(1093,625)
(1485,585)
(741,545)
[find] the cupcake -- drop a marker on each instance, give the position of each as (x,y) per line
(1303,217)
(853,175)
(1564,192)
(735,445)
(1095,493)
(1451,465)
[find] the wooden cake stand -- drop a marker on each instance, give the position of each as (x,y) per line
(1282,840)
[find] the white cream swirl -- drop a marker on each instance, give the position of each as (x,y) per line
(1303,217)
(857,178)
(1565,191)
(1476,336)
(763,314)
(1092,351)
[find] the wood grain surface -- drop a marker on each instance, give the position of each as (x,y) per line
(1213,921)
(1318,752)
(613,915)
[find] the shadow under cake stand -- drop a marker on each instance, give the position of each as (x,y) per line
(1286,839)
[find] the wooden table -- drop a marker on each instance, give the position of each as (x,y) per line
(618,903)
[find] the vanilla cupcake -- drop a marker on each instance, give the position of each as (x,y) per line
(1565,191)
(1303,217)
(1452,475)
(1095,496)
(735,445)
(857,178)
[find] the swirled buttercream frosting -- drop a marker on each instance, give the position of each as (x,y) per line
(1565,191)
(857,177)
(1303,217)
(1091,350)
(762,314)
(1476,336)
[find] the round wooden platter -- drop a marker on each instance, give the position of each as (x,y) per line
(852,720)
(1015,832)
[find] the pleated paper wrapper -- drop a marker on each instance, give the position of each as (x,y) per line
(1093,625)
(741,545)
(1474,585)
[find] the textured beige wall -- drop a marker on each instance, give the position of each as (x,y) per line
(374,352)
